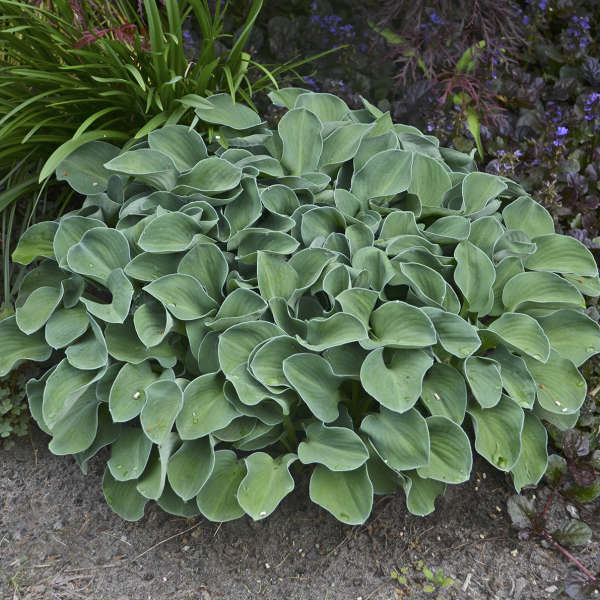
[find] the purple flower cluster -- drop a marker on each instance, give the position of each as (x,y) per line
(591,108)
(332,24)
(576,35)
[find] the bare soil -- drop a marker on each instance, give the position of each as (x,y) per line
(60,540)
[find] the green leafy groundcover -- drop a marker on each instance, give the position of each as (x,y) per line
(340,293)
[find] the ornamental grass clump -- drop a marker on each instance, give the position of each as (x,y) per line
(339,293)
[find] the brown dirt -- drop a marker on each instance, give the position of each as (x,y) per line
(59,540)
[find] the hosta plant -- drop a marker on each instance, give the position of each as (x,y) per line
(340,295)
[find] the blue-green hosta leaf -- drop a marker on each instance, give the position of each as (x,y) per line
(77,430)
(152,323)
(342,144)
(456,335)
(485,233)
(151,167)
(483,376)
(148,266)
(371,145)
(347,495)
(184,146)
(38,308)
(478,189)
(66,325)
(427,285)
(190,467)
(127,394)
(171,232)
(505,270)
(346,360)
(521,333)
(572,334)
(171,503)
(448,230)
(239,306)
(516,379)
(262,436)
(220,109)
(397,324)
(318,223)
(326,106)
(251,240)
(238,429)
(129,454)
(384,479)
(266,483)
(84,168)
(312,377)
(70,231)
(395,377)
(266,364)
(36,242)
(276,277)
(540,289)
(117,310)
(377,264)
(90,351)
(474,275)
(164,400)
(562,254)
(513,243)
(107,433)
(151,483)
(561,388)
(205,408)
(63,387)
(402,440)
(409,242)
(529,216)
(212,175)
(531,465)
(207,264)
(444,392)
(99,252)
(498,432)
(421,493)
(590,286)
(450,458)
(236,344)
(336,330)
(309,264)
(182,295)
(338,448)
(217,500)
(300,132)
(386,173)
(123,497)
(358,302)
(430,180)
(399,222)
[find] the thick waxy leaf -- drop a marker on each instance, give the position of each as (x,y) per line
(339,329)
(572,334)
(217,500)
(498,432)
(266,483)
(457,336)
(430,180)
(36,242)
(338,448)
(107,433)
(445,392)
(531,289)
(99,253)
(171,232)
(276,278)
(70,231)
(212,175)
(478,189)
(267,362)
(516,379)
(397,324)
(220,109)
(474,275)
(326,106)
(18,346)
(394,377)
(122,293)
(425,283)
(149,266)
(560,386)
(90,351)
(149,166)
(152,323)
(127,394)
(521,333)
(312,377)
(421,493)
(448,230)
(123,497)
(402,440)
(563,254)
(239,306)
(174,505)
(163,403)
(207,264)
(184,146)
(152,483)
(182,295)
(347,495)
(190,467)
(205,408)
(385,174)
(342,144)
(531,465)
(66,325)
(483,377)
(38,308)
(300,133)
(450,458)
(130,454)
(527,215)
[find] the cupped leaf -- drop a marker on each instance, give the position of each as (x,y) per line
(36,242)
(38,308)
(265,484)
(421,493)
(220,109)
(300,133)
(527,215)
(474,275)
(483,376)
(521,333)
(184,146)
(347,495)
(444,392)
(516,378)
(531,465)
(164,401)
(385,174)
(66,325)
(90,351)
(540,289)
(129,454)
(267,362)
(561,254)
(456,335)
(212,175)
(123,497)
(149,166)
(128,391)
(207,264)
(190,467)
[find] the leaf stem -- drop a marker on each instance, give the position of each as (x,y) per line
(291,432)
(550,539)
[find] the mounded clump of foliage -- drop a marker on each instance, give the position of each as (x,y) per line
(339,293)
